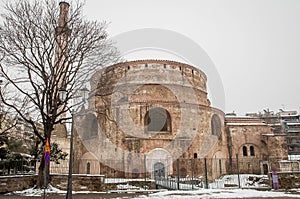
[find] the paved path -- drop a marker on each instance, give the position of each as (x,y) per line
(78,196)
(107,196)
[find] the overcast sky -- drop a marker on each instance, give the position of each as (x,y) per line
(254,44)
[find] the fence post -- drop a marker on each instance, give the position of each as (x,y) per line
(220,166)
(145,172)
(192,165)
(8,167)
(178,173)
(4,168)
(238,169)
(206,177)
(22,166)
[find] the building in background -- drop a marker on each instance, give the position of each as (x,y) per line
(284,123)
(18,145)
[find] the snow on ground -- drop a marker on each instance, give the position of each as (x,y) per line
(127,187)
(39,192)
(164,194)
(217,193)
(214,191)
(246,181)
(124,180)
(196,194)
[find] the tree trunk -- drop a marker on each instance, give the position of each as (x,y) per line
(43,173)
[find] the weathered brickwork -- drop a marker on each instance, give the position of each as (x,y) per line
(288,180)
(16,183)
(79,182)
(152,112)
(254,143)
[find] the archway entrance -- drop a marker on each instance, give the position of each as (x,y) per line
(159,163)
(159,170)
(265,169)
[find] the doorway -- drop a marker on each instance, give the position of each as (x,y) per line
(265,169)
(159,170)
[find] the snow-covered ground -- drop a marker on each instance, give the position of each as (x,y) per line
(246,181)
(124,180)
(216,190)
(196,194)
(218,193)
(38,192)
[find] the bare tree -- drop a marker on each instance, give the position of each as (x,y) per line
(8,123)
(44,49)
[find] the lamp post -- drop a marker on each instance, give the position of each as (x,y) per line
(62,96)
(69,189)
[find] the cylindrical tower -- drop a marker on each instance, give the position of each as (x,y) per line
(156,109)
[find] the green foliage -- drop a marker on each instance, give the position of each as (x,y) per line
(11,148)
(3,152)
(3,147)
(15,145)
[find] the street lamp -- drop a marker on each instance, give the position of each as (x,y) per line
(62,96)
(69,189)
(84,92)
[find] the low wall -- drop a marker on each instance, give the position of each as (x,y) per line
(138,183)
(288,180)
(79,182)
(16,183)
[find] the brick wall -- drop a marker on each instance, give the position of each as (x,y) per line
(79,182)
(288,180)
(16,183)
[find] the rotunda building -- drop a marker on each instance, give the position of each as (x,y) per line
(145,115)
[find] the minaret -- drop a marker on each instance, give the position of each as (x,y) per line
(63,14)
(62,33)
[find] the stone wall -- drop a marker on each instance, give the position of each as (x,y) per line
(79,182)
(120,108)
(288,180)
(16,183)
(63,166)
(113,137)
(245,133)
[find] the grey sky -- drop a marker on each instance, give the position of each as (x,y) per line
(254,44)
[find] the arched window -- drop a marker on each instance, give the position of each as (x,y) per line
(158,119)
(216,125)
(88,168)
(90,125)
(245,151)
(252,153)
(195,155)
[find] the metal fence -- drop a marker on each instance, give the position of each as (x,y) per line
(216,173)
(189,173)
(17,167)
(173,174)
